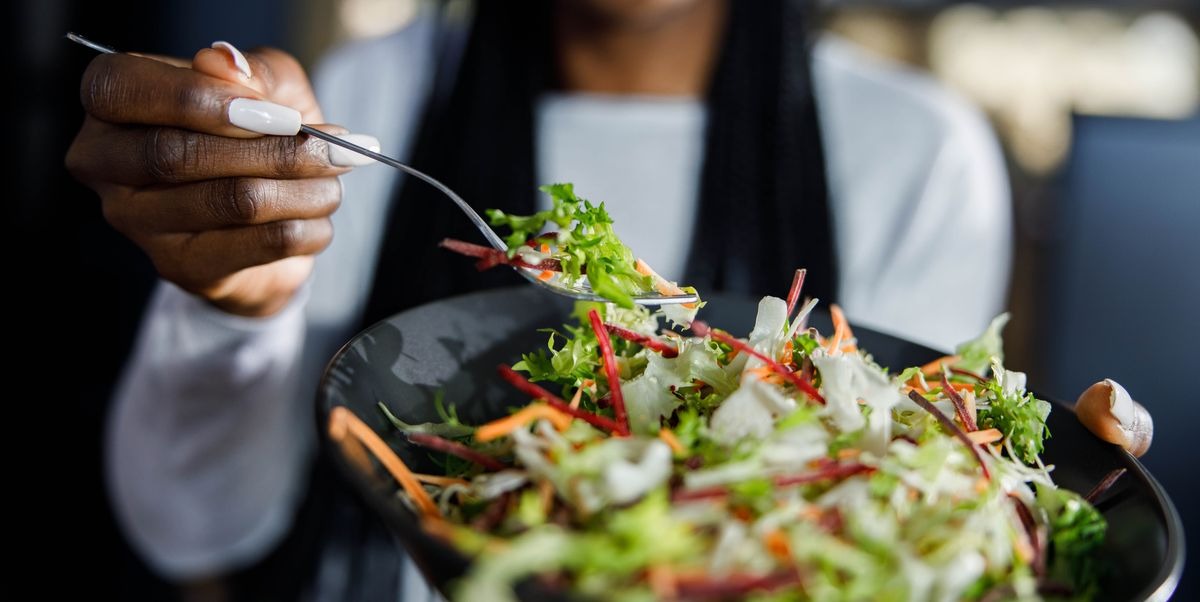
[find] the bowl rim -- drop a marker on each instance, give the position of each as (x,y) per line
(1163,586)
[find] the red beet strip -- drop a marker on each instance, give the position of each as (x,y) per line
(837,471)
(794,292)
(960,406)
(953,428)
(455,448)
(702,329)
(536,392)
(490,258)
(493,514)
(643,340)
(469,249)
(736,585)
(610,372)
(1104,485)
(1031,531)
(826,473)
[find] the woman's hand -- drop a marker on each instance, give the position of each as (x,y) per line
(226,213)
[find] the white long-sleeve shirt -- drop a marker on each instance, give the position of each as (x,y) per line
(211,432)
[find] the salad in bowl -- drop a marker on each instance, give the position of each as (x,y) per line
(650,455)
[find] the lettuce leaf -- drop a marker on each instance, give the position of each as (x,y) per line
(976,355)
(588,249)
(1077,531)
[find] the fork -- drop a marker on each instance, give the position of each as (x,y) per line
(577,290)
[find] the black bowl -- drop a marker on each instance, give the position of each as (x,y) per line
(454,346)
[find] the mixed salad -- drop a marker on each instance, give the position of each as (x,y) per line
(690,463)
(584,247)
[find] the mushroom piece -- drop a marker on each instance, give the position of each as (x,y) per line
(1107,410)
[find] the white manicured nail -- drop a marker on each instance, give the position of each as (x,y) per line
(344,157)
(264,117)
(239,59)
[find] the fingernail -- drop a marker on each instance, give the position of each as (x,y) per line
(344,157)
(264,117)
(239,59)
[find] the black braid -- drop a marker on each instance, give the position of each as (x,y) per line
(763,202)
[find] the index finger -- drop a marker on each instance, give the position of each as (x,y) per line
(126,89)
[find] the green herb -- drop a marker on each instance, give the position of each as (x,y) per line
(1076,532)
(586,245)
(1018,414)
(803,345)
(450,426)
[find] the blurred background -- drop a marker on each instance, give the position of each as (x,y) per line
(1094,101)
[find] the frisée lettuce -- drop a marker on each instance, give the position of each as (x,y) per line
(765,467)
(787,464)
(583,246)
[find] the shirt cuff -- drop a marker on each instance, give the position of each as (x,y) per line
(209,438)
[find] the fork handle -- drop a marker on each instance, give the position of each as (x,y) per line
(473,215)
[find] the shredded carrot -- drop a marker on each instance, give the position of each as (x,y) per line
(835,342)
(342,421)
(662,285)
(934,368)
(985,436)
(440,528)
(777,544)
(545,275)
(354,452)
(767,374)
(661,580)
(981,485)
(531,412)
(587,385)
(848,453)
(439,480)
(963,386)
(669,438)
(545,248)
(743,514)
(918,384)
(841,330)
